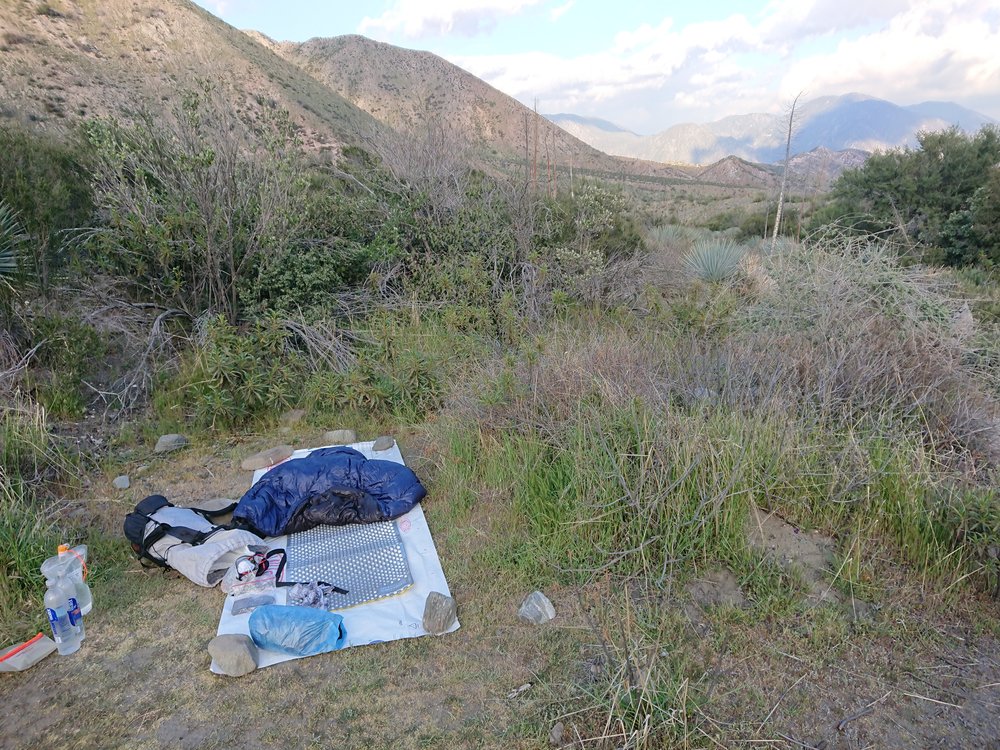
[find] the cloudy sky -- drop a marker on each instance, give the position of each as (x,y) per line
(647,65)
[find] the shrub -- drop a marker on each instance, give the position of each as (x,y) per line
(44,181)
(407,387)
(194,203)
(943,195)
(232,377)
(670,237)
(11,236)
(67,354)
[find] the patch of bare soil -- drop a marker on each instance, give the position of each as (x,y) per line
(905,676)
(893,690)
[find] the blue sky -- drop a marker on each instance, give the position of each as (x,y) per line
(648,65)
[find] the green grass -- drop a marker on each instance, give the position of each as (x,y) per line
(26,539)
(35,472)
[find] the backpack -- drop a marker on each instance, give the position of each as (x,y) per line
(185,539)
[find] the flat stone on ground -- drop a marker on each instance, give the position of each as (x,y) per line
(439,613)
(236,655)
(170,442)
(267,458)
(121,482)
(340,437)
(383,443)
(536,609)
(293,416)
(556,734)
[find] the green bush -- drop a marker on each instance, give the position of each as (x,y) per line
(233,376)
(945,195)
(192,204)
(69,353)
(44,181)
(408,387)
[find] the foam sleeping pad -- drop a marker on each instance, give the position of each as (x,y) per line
(334,486)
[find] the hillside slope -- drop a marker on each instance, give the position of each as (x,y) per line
(406,89)
(70,59)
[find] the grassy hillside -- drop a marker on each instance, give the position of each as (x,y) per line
(66,60)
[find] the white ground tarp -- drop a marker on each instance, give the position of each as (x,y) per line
(399,616)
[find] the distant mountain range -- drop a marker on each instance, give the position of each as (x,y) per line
(852,122)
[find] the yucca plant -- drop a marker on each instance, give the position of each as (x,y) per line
(668,235)
(11,236)
(714,260)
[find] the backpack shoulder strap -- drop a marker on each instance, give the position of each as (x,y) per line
(209,514)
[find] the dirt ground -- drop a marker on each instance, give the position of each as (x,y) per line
(911,670)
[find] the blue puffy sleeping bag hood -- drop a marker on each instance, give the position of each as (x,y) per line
(333,486)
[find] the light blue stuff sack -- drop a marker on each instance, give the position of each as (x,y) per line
(298,631)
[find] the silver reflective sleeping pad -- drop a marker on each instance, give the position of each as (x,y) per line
(365,559)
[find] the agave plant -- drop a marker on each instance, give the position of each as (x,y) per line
(11,236)
(714,260)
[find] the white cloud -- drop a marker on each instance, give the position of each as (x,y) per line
(418,18)
(785,22)
(927,52)
(559,11)
(659,73)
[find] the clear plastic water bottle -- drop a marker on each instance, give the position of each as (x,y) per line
(74,561)
(72,607)
(56,608)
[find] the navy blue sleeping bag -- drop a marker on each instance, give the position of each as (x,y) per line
(333,486)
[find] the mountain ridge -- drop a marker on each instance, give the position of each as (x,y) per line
(86,58)
(849,122)
(407,89)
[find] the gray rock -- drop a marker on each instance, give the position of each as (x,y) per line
(170,442)
(536,608)
(236,655)
(265,459)
(556,734)
(340,437)
(121,482)
(439,613)
(383,443)
(963,324)
(293,417)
